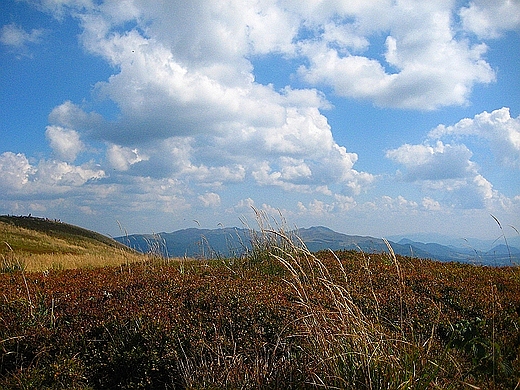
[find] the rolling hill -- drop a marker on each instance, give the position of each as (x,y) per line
(40,244)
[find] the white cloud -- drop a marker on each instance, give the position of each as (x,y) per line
(65,143)
(15,171)
(162,101)
(439,162)
(468,193)
(489,19)
(121,158)
(48,178)
(59,8)
(18,40)
(178,85)
(344,203)
(318,208)
(16,37)
(193,119)
(152,195)
(294,169)
(431,204)
(400,204)
(71,116)
(216,176)
(447,171)
(345,36)
(209,199)
(64,175)
(242,206)
(353,76)
(340,205)
(426,65)
(502,131)
(206,45)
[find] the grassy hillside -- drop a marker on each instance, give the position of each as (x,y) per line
(38,244)
(279,318)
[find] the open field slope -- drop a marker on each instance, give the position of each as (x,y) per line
(280,318)
(41,244)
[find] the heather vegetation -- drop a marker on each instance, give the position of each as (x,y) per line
(279,317)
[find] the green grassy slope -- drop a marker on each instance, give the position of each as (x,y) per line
(55,230)
(39,244)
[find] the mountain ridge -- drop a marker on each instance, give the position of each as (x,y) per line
(234,241)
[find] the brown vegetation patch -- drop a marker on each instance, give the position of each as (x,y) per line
(346,320)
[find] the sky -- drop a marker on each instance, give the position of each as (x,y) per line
(381,118)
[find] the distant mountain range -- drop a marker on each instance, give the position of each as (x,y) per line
(229,242)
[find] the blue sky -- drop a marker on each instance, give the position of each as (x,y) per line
(377,118)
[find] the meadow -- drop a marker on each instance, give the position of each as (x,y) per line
(279,317)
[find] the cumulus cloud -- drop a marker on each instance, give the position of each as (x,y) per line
(19,177)
(489,19)
(439,162)
(192,118)
(498,127)
(15,171)
(164,103)
(63,175)
(426,66)
(243,206)
(400,203)
(71,116)
(60,8)
(339,205)
(215,176)
(209,199)
(179,85)
(65,143)
(447,171)
(121,158)
(431,204)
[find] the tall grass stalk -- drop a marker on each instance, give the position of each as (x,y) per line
(348,348)
(401,283)
(10,261)
(503,235)
(268,240)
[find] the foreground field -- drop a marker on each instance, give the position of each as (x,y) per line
(279,319)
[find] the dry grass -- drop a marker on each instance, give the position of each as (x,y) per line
(352,344)
(43,262)
(33,250)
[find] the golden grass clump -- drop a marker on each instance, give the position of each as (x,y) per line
(350,343)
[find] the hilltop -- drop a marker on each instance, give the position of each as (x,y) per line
(40,243)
